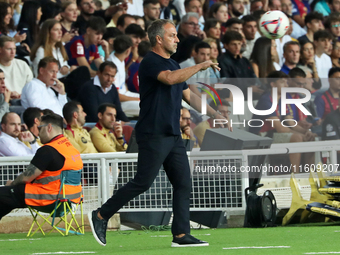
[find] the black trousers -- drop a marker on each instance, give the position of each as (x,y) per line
(11,197)
(153,152)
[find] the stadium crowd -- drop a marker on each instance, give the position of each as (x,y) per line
(80,59)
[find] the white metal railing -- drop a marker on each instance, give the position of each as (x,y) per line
(211,190)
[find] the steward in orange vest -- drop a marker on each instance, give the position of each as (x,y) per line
(56,161)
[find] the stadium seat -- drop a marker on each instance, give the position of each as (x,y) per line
(62,208)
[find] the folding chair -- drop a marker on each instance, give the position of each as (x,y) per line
(61,208)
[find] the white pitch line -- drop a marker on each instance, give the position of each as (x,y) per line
(14,240)
(256,247)
(64,252)
(171,235)
(324,252)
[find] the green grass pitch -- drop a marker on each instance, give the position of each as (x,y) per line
(283,240)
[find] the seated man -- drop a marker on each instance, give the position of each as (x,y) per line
(32,117)
(101,90)
(107,135)
(187,133)
(291,53)
(201,53)
(329,100)
(129,100)
(45,91)
(233,65)
(271,128)
(82,50)
(221,109)
(10,145)
(76,134)
(5,95)
(38,185)
(17,72)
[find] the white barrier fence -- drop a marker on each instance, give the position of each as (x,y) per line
(212,189)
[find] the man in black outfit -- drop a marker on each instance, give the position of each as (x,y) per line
(162,87)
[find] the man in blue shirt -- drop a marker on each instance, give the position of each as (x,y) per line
(291,53)
(162,87)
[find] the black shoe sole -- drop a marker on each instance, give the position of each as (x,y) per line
(89,216)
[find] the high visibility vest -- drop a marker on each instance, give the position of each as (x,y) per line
(45,188)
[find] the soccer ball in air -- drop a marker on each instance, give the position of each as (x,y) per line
(274,24)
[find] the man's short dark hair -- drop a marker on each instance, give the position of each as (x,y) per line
(231,36)
(47,111)
(313,15)
(233,21)
(258,14)
(121,19)
(202,45)
(122,43)
(296,72)
(30,114)
(332,71)
(287,44)
(322,34)
(274,76)
(143,48)
(248,18)
(111,32)
(68,110)
(45,61)
(105,64)
(54,119)
(215,107)
(97,24)
(1,71)
(153,2)
(102,107)
(187,2)
(134,29)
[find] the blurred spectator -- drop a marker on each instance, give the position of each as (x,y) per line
(199,130)
(124,21)
(195,6)
(322,42)
(45,91)
(136,34)
(17,72)
(212,29)
(279,47)
(233,65)
(189,26)
(214,73)
(120,12)
(110,35)
(98,4)
(274,5)
(250,33)
(5,95)
(29,21)
(140,21)
(32,119)
(219,11)
(328,101)
(307,58)
(334,5)
(235,24)
(235,8)
(300,9)
(107,135)
(69,16)
(313,21)
(11,137)
(50,10)
(133,81)
(16,6)
(333,24)
(7,24)
(169,11)
(185,125)
(287,8)
(129,100)
(151,11)
(291,53)
(335,54)
(101,90)
(322,6)
(200,55)
(263,57)
(79,137)
(49,44)
(82,50)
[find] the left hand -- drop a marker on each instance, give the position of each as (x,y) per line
(118,129)
(305,124)
(26,136)
(104,44)
(15,95)
(26,46)
(59,87)
(9,183)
